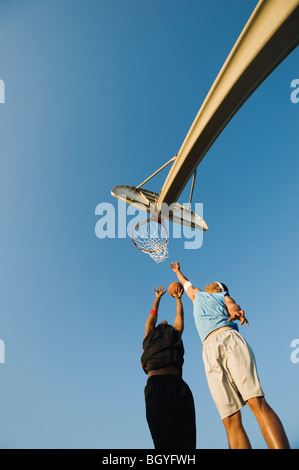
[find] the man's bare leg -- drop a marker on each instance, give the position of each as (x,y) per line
(269,423)
(236,435)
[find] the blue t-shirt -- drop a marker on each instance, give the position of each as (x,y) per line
(210,313)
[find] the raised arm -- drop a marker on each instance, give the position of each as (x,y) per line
(190,291)
(179,319)
(235,311)
(153,315)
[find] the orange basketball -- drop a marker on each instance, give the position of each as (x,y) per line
(173,287)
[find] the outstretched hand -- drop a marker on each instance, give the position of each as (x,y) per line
(239,315)
(159,291)
(177,293)
(175,266)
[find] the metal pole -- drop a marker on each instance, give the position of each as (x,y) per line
(192,188)
(156,172)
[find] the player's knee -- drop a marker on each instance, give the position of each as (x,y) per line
(257,404)
(232,421)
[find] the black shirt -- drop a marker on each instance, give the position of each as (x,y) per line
(161,347)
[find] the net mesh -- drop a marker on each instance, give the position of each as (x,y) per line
(151,237)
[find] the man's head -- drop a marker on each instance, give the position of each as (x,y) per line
(215,287)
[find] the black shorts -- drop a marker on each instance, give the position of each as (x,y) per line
(170,412)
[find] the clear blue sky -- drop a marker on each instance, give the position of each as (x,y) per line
(99,93)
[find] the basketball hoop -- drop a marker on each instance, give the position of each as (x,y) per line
(151,237)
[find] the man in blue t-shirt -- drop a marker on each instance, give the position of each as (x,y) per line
(230,364)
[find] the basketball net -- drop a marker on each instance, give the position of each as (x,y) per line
(151,237)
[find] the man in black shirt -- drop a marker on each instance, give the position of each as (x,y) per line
(169,402)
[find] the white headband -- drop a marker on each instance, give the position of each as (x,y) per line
(220,285)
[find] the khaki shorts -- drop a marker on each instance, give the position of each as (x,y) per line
(231,370)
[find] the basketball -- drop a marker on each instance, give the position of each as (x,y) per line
(173,287)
